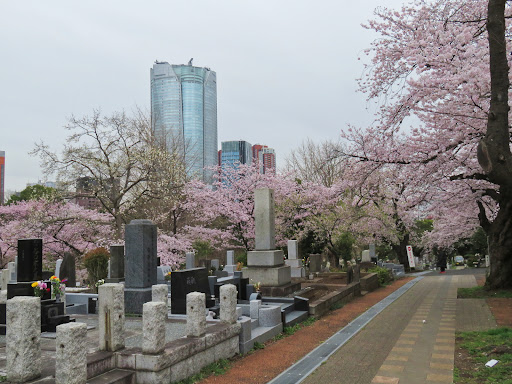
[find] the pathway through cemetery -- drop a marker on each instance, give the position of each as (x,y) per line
(411,341)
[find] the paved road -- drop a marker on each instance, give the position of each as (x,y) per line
(411,341)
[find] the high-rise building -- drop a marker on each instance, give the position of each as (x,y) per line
(265,157)
(2,177)
(235,152)
(267,160)
(184,113)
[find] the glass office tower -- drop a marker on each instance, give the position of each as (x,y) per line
(184,113)
(235,152)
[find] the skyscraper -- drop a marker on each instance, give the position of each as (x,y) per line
(184,113)
(235,152)
(2,177)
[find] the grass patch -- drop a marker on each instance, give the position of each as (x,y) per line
(3,378)
(336,306)
(482,293)
(480,347)
(288,331)
(218,368)
(258,345)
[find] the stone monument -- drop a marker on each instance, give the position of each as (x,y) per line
(293,261)
(116,266)
(140,264)
(266,264)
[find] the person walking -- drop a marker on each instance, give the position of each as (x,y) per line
(441,260)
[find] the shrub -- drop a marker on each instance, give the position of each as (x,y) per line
(242,258)
(96,262)
(383,274)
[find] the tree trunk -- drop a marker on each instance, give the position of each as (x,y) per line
(401,251)
(494,153)
(499,235)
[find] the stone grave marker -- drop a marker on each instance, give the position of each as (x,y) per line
(30,260)
(140,264)
(58,263)
(116,265)
(365,256)
(293,261)
(184,282)
(230,266)
(315,263)
(191,260)
(67,270)
(161,271)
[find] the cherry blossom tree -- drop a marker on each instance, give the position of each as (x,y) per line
(64,227)
(440,77)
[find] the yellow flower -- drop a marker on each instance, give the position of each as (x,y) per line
(34,284)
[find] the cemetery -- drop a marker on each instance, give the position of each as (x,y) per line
(144,327)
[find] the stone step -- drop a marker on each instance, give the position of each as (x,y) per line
(100,362)
(115,376)
(295,317)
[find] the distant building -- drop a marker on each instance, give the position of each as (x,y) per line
(49,184)
(267,160)
(265,157)
(184,113)
(2,177)
(85,193)
(234,153)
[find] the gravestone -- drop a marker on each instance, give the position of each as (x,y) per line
(29,268)
(215,264)
(315,263)
(191,260)
(293,261)
(30,260)
(12,269)
(58,263)
(365,256)
(67,270)
(116,266)
(230,262)
(266,264)
(373,254)
(184,282)
(161,271)
(140,265)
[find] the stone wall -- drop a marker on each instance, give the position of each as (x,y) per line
(369,282)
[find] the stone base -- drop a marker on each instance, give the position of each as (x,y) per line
(134,299)
(115,280)
(268,276)
(280,291)
(298,272)
(272,258)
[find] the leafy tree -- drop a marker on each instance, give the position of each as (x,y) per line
(35,192)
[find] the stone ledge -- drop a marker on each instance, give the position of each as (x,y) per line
(274,258)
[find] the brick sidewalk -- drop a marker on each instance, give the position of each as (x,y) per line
(410,342)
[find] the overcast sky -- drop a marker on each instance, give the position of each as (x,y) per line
(286,70)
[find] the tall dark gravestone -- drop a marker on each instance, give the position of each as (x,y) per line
(67,270)
(30,267)
(116,264)
(140,264)
(187,281)
(30,260)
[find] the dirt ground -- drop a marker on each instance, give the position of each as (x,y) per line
(262,365)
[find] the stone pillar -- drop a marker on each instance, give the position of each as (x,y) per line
(153,327)
(141,262)
(293,260)
(30,260)
(12,268)
(196,315)
(111,316)
(191,260)
(365,256)
(228,300)
(159,293)
(58,263)
(255,308)
(116,268)
(264,219)
(71,354)
(23,345)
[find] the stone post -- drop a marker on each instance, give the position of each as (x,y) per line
(196,314)
(255,308)
(6,277)
(228,300)
(71,354)
(159,293)
(154,315)
(23,345)
(230,266)
(140,265)
(111,316)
